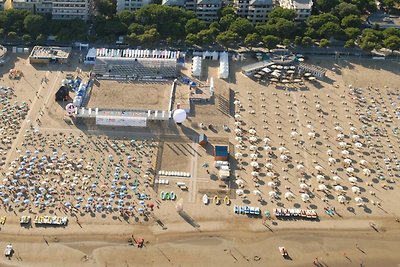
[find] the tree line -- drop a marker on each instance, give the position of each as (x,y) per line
(155,25)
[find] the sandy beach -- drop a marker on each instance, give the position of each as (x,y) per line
(322,145)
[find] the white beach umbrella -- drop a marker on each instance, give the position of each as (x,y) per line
(237,116)
(347,161)
(257,192)
(336,178)
(341,199)
(239,182)
(271,184)
(355,189)
(338,128)
(253,139)
(283,157)
(320,178)
(239,192)
(255,174)
(252,131)
(318,168)
(294,134)
(270,174)
(269,166)
(253,148)
(238,146)
(300,167)
(367,171)
(350,170)
(353,129)
(254,164)
(363,162)
(253,156)
(352,179)
(342,144)
(338,188)
(340,136)
(329,152)
(355,137)
(303,186)
(272,193)
(238,131)
(238,138)
(282,149)
(345,152)
(358,145)
(266,140)
(289,195)
(237,123)
(267,148)
(238,155)
(358,200)
(322,187)
(332,160)
(311,134)
(305,197)
(309,126)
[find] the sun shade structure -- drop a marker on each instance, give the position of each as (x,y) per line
(196,66)
(223,65)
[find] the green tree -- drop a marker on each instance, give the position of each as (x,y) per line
(307,41)
(1,33)
(226,21)
(349,43)
(106,7)
(35,24)
(136,28)
(12,35)
(390,5)
(242,27)
(284,13)
(41,39)
(228,39)
(284,28)
(228,11)
(392,43)
(126,16)
(351,21)
(345,9)
(286,42)
(191,39)
(391,32)
(271,41)
(252,39)
(26,38)
(324,43)
(205,37)
(297,40)
(149,37)
(330,29)
(326,5)
(370,39)
(133,39)
(317,21)
(352,33)
(194,26)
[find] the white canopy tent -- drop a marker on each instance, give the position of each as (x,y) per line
(196,66)
(223,65)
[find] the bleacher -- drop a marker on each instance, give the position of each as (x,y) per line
(111,68)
